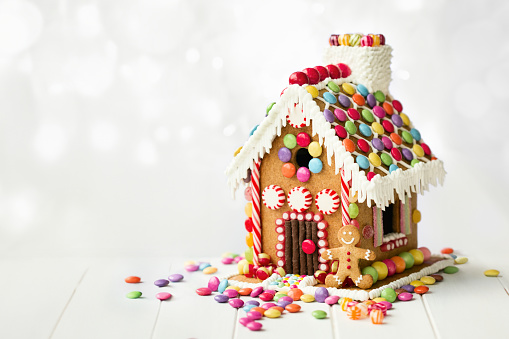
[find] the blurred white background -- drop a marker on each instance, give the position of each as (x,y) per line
(118,118)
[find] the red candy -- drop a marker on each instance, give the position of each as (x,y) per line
(363,145)
(345,70)
(324,73)
(391,267)
(396,154)
(425,148)
(334,71)
(421,289)
(340,131)
(382,39)
(388,126)
(265,296)
(313,75)
(308,246)
(397,105)
(298,78)
(354,114)
(303,139)
(366,41)
(370,175)
(204,291)
(249,225)
(447,250)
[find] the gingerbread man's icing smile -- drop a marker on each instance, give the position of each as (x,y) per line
(350,241)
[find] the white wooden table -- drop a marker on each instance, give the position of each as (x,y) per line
(76,298)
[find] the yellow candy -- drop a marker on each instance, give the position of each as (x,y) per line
(307,298)
(418,150)
(312,90)
(377,128)
(249,209)
(491,273)
(428,280)
(189,263)
(416,216)
(272,313)
(418,256)
(236,288)
(377,300)
(461,260)
(376,39)
(405,119)
(237,151)
(348,89)
(240,266)
(416,283)
(353,198)
(374,159)
(345,39)
(315,149)
(209,270)
(249,240)
(381,269)
(343,302)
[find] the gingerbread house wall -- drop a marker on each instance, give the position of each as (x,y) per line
(270,174)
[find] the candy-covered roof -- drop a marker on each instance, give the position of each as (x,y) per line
(367,132)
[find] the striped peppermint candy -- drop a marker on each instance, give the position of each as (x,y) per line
(327,201)
(273,197)
(296,116)
(299,199)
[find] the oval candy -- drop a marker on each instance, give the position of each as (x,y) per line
(134,295)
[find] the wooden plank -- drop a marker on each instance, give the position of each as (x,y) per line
(468,305)
(188,315)
(99,308)
(35,293)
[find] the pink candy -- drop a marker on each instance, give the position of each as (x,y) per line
(231,293)
(253,315)
(256,292)
(268,305)
(163,295)
(203,291)
(387,304)
(286,298)
(244,321)
(236,303)
(192,268)
(213,284)
(254,326)
(331,300)
(228,260)
(405,296)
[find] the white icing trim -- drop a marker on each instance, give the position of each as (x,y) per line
(380,189)
(307,284)
(393,236)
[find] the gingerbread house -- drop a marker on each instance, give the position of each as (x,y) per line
(336,149)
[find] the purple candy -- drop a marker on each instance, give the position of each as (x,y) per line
(340,114)
(213,284)
(387,142)
(321,294)
(328,115)
(378,144)
(244,321)
(407,154)
(268,305)
(379,111)
(284,154)
(283,303)
(161,282)
(371,100)
(236,303)
(252,302)
(405,296)
(286,298)
(396,120)
(231,293)
(408,288)
(331,300)
(175,277)
(254,326)
(344,100)
(256,292)
(221,298)
(252,315)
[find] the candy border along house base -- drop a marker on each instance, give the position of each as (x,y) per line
(335,150)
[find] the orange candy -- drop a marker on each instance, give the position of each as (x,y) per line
(343,302)
(292,308)
(358,99)
(258,309)
(288,170)
(132,279)
(349,145)
(421,289)
(295,294)
(353,312)
(245,291)
(396,138)
(249,240)
(447,250)
(377,317)
(400,263)
(388,108)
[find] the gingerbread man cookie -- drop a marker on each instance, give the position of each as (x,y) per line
(348,256)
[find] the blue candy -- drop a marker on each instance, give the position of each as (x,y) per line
(362,161)
(416,134)
(392,168)
(248,308)
(315,165)
(204,265)
(330,98)
(222,286)
(365,130)
(362,90)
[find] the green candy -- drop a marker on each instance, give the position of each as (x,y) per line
(372,272)
(248,254)
(407,137)
(281,284)
(333,87)
(133,295)
(319,314)
(409,259)
(353,210)
(367,115)
(379,96)
(278,296)
(290,141)
(389,294)
(451,269)
(414,161)
(355,40)
(386,159)
(350,127)
(269,108)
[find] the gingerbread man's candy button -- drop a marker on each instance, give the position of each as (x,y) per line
(327,201)
(273,197)
(299,199)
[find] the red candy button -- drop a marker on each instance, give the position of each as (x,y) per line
(352,113)
(324,73)
(397,105)
(367,231)
(370,175)
(396,154)
(425,148)
(340,131)
(334,71)
(249,225)
(298,78)
(388,126)
(363,145)
(303,139)
(345,70)
(313,75)
(308,246)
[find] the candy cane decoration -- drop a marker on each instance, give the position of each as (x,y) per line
(345,192)
(255,190)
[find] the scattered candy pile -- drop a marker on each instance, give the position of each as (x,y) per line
(289,280)
(354,40)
